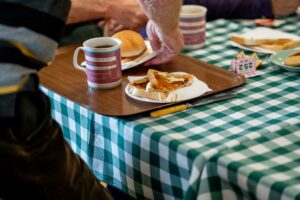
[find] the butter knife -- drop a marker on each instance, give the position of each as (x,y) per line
(185,106)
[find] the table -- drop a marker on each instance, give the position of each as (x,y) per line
(264,168)
(216,151)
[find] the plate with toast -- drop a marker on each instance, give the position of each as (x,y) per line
(287,59)
(265,40)
(163,87)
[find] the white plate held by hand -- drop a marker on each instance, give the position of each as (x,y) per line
(147,55)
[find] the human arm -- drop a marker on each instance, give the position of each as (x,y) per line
(138,18)
(125,12)
(283,8)
(235,9)
(39,163)
(243,9)
(162,29)
(29,34)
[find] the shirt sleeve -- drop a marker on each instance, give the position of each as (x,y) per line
(29,35)
(235,9)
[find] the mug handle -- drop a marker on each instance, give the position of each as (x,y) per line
(75,59)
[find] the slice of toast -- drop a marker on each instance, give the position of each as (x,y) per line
(138,89)
(293,61)
(280,45)
(297,53)
(255,42)
(166,82)
(269,44)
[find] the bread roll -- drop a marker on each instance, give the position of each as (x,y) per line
(133,43)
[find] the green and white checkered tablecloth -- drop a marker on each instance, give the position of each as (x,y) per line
(265,168)
(167,157)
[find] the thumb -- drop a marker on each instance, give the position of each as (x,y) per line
(152,36)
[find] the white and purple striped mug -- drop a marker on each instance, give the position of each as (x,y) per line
(102,62)
(192,22)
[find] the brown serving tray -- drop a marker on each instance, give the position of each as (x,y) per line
(62,78)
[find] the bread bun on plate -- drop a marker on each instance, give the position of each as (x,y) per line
(132,46)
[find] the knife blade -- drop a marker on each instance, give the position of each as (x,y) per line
(185,106)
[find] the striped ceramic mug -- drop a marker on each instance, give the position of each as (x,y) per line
(102,62)
(192,22)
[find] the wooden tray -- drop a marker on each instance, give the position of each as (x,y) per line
(62,78)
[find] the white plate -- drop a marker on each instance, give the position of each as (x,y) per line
(147,55)
(196,89)
(263,33)
(279,57)
(253,49)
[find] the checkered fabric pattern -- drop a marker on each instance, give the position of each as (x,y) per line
(265,168)
(167,157)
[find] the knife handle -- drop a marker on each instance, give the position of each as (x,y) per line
(168,110)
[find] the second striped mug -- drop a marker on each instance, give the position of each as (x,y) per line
(192,22)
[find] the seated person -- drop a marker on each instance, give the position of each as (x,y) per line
(245,9)
(84,18)
(234,9)
(36,161)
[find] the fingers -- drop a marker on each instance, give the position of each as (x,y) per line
(130,16)
(152,36)
(101,23)
(116,28)
(170,44)
(163,57)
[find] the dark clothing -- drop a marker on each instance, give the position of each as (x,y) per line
(36,161)
(235,9)
(79,32)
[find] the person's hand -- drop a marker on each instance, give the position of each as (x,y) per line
(111,26)
(170,44)
(284,7)
(125,14)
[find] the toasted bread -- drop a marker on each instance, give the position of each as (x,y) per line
(132,58)
(269,44)
(138,88)
(129,59)
(297,53)
(255,42)
(166,82)
(279,45)
(293,61)
(133,44)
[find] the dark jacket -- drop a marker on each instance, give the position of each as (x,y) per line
(235,9)
(36,162)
